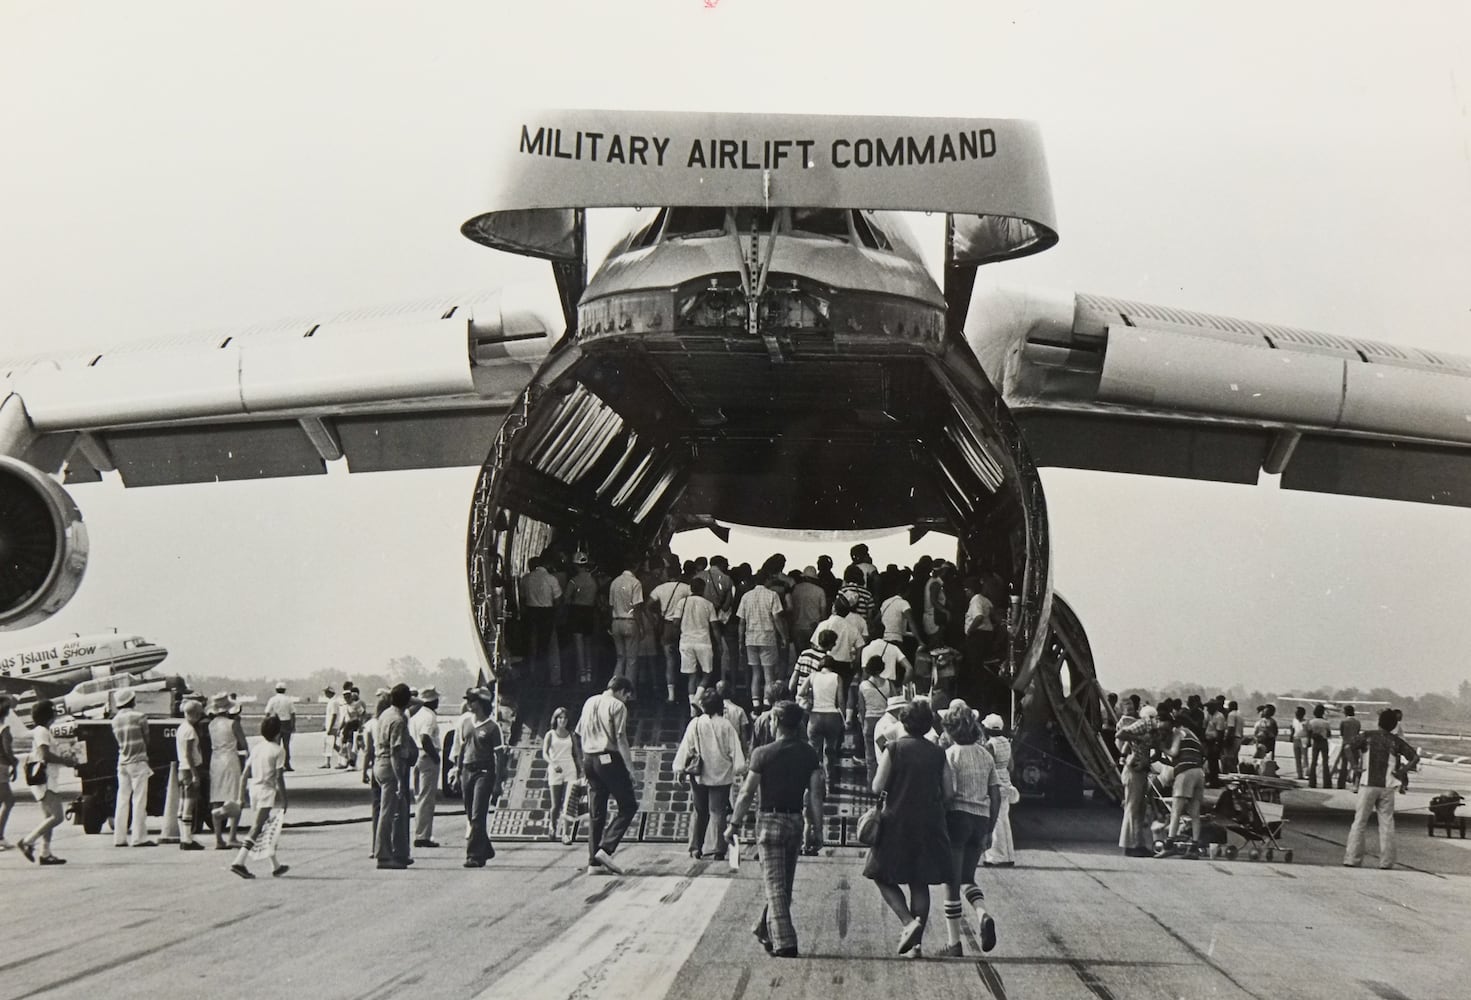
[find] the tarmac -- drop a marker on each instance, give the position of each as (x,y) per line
(1076,919)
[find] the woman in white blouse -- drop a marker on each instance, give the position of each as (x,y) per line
(712,737)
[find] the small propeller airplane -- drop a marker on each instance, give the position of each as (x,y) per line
(764,345)
(80,673)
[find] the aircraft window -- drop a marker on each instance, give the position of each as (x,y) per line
(647,236)
(758,219)
(695,222)
(869,233)
(822,221)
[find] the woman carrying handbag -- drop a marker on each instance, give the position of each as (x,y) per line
(913,846)
(710,755)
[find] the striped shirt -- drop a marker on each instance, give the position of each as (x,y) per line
(809,661)
(130,728)
(1190,755)
(975,775)
(858,598)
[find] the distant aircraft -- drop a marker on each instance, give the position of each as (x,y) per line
(82,671)
(764,346)
(1333,709)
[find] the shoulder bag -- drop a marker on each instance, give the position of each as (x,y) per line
(869,823)
(693,764)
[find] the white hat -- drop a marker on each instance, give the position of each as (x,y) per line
(1148,712)
(280,685)
(993,721)
(124,697)
(897,701)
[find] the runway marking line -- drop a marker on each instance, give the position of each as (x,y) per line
(629,944)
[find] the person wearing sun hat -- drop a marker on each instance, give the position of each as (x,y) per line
(1000,853)
(130,729)
(889,728)
(227,740)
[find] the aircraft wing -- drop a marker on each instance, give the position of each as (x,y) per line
(419,386)
(1109,384)
(43,689)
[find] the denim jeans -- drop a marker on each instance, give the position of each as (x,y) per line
(475,786)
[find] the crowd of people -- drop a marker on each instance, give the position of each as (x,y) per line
(943,780)
(1191,745)
(674,627)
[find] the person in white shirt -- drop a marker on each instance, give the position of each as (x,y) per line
(282,706)
(625,595)
(190,759)
(562,769)
(264,776)
(720,591)
(670,597)
(896,664)
(762,633)
(722,761)
(823,690)
(601,743)
(541,592)
(44,754)
(424,731)
(331,725)
(697,642)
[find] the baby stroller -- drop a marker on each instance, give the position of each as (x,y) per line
(1251,807)
(1160,794)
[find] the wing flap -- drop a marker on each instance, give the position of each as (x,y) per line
(1119,386)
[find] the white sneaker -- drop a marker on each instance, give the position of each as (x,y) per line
(597,870)
(606,860)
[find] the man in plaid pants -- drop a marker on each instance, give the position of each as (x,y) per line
(783,771)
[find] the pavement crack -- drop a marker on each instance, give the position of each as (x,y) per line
(1200,956)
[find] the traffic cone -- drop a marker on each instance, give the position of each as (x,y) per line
(171,808)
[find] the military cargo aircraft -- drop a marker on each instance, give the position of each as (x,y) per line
(764,346)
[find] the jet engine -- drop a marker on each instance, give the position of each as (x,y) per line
(43,545)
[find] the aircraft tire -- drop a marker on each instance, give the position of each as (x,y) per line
(1231,852)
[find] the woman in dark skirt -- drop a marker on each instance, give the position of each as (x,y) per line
(913,847)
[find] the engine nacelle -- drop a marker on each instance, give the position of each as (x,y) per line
(43,545)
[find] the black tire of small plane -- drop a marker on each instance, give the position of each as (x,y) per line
(1287,856)
(1271,854)
(1231,852)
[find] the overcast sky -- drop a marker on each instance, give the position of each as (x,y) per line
(178,166)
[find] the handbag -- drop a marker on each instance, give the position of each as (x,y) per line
(694,765)
(35,772)
(869,824)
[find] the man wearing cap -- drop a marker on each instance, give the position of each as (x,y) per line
(424,731)
(391,769)
(191,765)
(282,706)
(331,724)
(130,728)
